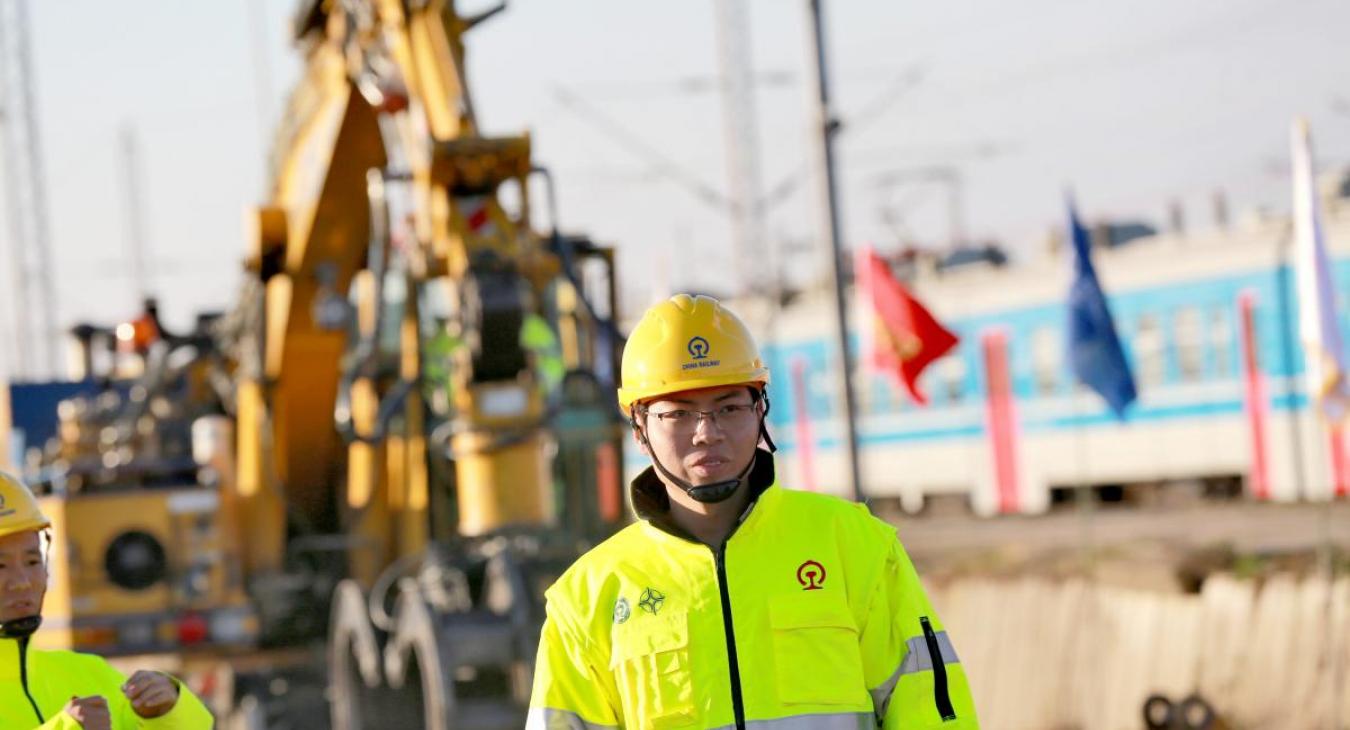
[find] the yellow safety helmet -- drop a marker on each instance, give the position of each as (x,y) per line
(19,510)
(686,343)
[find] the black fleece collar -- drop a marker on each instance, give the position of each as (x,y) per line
(652,504)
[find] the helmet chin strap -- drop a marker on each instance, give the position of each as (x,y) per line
(706,493)
(20,628)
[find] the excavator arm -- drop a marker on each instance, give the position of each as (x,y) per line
(382,122)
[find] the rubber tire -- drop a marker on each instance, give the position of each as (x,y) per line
(1158,712)
(353,662)
(415,644)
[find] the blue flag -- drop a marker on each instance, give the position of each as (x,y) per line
(1094,349)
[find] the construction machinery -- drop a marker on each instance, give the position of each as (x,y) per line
(398,438)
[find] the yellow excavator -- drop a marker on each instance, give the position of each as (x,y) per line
(392,444)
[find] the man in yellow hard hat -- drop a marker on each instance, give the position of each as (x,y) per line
(733,602)
(64,690)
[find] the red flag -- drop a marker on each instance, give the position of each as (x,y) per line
(906,337)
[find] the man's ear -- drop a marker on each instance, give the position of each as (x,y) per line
(638,437)
(641,442)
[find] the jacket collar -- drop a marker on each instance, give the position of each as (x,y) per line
(9,660)
(651,503)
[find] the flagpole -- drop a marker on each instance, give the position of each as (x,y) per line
(829,127)
(1085,506)
(1083,494)
(1291,379)
(1325,369)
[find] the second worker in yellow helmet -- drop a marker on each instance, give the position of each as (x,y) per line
(65,690)
(733,602)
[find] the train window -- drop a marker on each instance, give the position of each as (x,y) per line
(1047,355)
(872,383)
(1148,351)
(820,389)
(954,376)
(1221,341)
(1189,335)
(900,396)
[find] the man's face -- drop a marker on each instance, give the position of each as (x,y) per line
(23,576)
(702,448)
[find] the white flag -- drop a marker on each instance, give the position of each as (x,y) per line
(1324,360)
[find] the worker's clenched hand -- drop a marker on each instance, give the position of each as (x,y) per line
(152,694)
(91,712)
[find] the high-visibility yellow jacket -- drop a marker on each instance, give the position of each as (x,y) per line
(809,616)
(53,677)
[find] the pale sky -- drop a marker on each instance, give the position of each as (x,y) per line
(1129,103)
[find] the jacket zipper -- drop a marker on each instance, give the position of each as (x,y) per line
(737,704)
(23,678)
(941,697)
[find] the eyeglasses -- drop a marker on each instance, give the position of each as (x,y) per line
(728,417)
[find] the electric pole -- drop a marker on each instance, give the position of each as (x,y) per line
(828,127)
(136,239)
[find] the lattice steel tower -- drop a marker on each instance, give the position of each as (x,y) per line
(33,303)
(755,264)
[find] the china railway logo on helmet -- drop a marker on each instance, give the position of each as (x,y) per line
(5,512)
(699,349)
(811,575)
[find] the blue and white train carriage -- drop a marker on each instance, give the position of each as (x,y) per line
(1210,411)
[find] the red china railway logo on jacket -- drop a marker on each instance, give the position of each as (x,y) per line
(811,575)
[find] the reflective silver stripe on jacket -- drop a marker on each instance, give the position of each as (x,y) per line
(916,660)
(829,721)
(547,718)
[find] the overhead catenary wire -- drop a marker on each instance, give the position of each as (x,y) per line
(662,164)
(872,111)
(901,83)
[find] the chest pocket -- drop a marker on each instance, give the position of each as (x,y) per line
(650,661)
(817,659)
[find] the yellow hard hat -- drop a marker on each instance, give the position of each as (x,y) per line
(686,343)
(19,508)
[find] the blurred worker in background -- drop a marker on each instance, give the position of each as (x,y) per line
(537,339)
(541,344)
(63,690)
(734,602)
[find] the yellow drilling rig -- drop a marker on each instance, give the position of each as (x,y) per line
(392,444)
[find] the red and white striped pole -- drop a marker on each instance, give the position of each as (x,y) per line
(1257,406)
(805,440)
(1002,420)
(1340,469)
